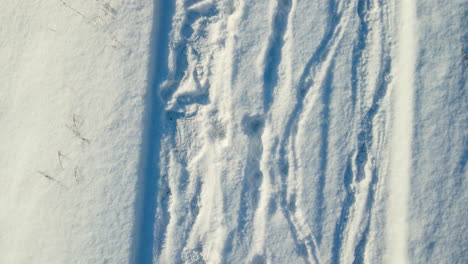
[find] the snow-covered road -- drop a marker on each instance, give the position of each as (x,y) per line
(233,131)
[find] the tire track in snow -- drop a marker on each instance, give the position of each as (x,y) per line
(349,177)
(365,142)
(316,71)
(145,226)
(253,177)
(168,189)
(188,185)
(182,186)
(311,241)
(359,47)
(244,237)
(181,49)
(341,222)
(280,30)
(274,51)
(365,137)
(354,178)
(359,251)
(361,160)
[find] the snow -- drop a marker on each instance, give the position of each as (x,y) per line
(233,131)
(58,65)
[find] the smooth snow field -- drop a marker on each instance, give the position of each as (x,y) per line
(233,131)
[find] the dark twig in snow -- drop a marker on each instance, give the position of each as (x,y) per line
(69,6)
(75,131)
(50,178)
(107,7)
(77,121)
(95,21)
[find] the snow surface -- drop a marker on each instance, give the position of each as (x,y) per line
(233,131)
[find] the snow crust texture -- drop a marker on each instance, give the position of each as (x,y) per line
(233,131)
(73,76)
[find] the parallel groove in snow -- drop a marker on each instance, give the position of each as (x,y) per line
(147,224)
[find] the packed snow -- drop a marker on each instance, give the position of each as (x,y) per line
(233,131)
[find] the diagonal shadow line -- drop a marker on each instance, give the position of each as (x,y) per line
(147,185)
